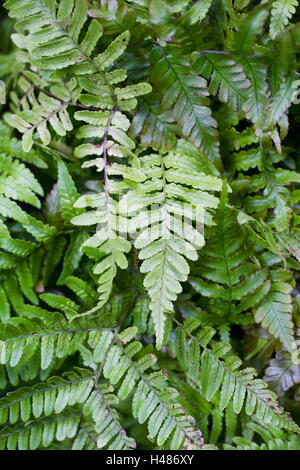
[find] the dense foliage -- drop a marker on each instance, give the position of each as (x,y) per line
(123,324)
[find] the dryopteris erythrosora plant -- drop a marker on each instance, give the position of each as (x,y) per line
(149,225)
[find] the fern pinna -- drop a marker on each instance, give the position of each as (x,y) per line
(149,225)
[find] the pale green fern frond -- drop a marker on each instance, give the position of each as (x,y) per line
(40,433)
(167,235)
(48,332)
(281,13)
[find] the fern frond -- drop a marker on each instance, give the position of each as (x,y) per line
(110,433)
(17,182)
(186,94)
(266,189)
(226,78)
(257,102)
(154,127)
(12,147)
(282,101)
(42,432)
(217,368)
(275,310)
(274,439)
(45,110)
(167,234)
(251,25)
(50,44)
(67,192)
(108,246)
(44,399)
(152,399)
(282,373)
(224,272)
(281,13)
(49,333)
(198,11)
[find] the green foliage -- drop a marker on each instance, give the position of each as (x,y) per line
(165,241)
(149,225)
(281,14)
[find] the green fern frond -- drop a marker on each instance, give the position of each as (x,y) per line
(45,22)
(281,13)
(12,147)
(47,332)
(45,110)
(266,189)
(226,78)
(107,424)
(274,439)
(105,247)
(152,399)
(154,127)
(186,94)
(282,101)
(251,26)
(167,234)
(225,274)
(44,399)
(217,368)
(275,310)
(257,103)
(41,432)
(17,182)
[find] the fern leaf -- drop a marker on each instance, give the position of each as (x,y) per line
(251,26)
(275,311)
(48,110)
(281,14)
(225,273)
(152,400)
(186,95)
(18,183)
(165,240)
(46,398)
(67,192)
(153,126)
(110,433)
(257,103)
(240,386)
(282,373)
(50,333)
(198,11)
(40,432)
(281,101)
(226,78)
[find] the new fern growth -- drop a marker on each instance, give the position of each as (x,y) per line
(149,225)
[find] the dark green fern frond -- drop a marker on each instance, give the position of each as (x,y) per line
(225,273)
(186,94)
